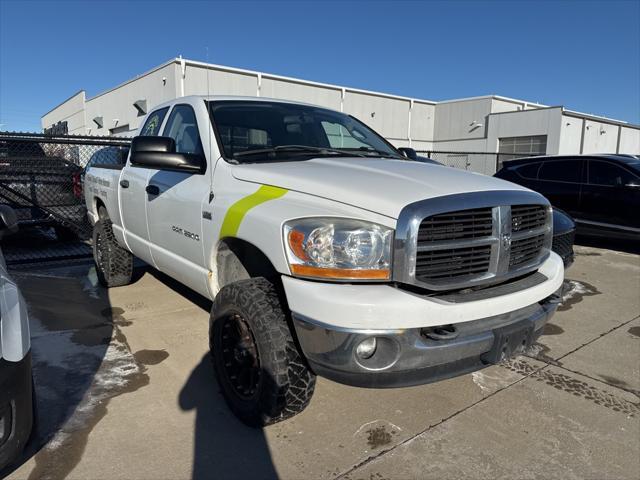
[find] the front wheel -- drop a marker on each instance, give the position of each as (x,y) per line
(263,377)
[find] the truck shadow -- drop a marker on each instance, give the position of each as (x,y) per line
(223,446)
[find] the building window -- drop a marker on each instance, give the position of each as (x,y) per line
(518,147)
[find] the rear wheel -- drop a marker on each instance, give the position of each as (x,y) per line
(263,377)
(114,264)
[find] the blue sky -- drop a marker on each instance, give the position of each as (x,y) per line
(584,55)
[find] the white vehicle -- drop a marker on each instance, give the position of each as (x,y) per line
(16,397)
(325,250)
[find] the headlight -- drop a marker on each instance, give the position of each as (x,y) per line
(338,248)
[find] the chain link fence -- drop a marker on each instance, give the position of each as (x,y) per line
(481,162)
(41,178)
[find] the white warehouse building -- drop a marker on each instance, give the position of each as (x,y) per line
(491,124)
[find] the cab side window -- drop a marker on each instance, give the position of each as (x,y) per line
(182,127)
(561,171)
(529,171)
(608,174)
(151,127)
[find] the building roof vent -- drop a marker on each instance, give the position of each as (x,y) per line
(141,107)
(98,121)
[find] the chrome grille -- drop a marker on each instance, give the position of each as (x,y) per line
(441,247)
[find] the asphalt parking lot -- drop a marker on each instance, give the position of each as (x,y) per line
(126,390)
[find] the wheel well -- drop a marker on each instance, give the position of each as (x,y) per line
(238,259)
(99,203)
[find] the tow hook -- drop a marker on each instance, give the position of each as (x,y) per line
(441,332)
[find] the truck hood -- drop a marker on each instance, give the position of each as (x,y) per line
(379,185)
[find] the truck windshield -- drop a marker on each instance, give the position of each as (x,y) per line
(255,131)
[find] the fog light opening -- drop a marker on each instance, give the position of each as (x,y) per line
(366,348)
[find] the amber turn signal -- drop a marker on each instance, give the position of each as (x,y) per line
(340,273)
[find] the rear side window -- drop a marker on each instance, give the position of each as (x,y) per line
(109,157)
(151,127)
(529,171)
(561,171)
(183,128)
(605,173)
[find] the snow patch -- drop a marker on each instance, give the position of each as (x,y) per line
(575,288)
(493,379)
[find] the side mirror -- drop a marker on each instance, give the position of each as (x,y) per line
(408,152)
(160,153)
(8,221)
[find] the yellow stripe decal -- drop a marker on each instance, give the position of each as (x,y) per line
(238,210)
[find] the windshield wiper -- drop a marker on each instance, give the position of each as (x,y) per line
(297,148)
(381,153)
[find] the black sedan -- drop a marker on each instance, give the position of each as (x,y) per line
(601,192)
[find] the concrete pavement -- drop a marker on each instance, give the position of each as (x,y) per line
(126,390)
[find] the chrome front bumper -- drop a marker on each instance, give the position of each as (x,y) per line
(416,356)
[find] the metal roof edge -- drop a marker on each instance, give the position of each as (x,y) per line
(597,118)
(493,97)
(304,82)
(63,102)
(552,107)
(144,74)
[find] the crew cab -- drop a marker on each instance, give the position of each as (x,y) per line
(325,250)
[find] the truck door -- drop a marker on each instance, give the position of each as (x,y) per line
(133,198)
(174,206)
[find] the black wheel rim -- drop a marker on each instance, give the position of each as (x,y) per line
(240,359)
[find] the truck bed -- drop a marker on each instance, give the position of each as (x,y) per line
(101,187)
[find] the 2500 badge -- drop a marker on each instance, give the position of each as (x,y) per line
(181,231)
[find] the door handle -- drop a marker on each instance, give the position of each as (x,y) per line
(124,183)
(152,189)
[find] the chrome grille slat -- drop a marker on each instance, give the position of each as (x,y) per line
(457,243)
(446,257)
(455,263)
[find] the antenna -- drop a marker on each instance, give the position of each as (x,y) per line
(209,127)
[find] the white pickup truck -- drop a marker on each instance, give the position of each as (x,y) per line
(325,249)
